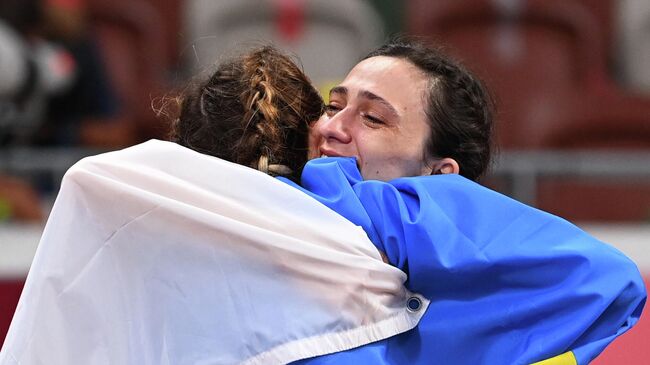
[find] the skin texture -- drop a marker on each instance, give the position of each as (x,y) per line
(377,115)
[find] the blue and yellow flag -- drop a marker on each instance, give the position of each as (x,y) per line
(508,284)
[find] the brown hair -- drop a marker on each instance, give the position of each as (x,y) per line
(459,108)
(254,110)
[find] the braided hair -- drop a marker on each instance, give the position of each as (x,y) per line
(459,109)
(254,110)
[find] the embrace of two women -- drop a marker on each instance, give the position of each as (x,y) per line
(277,229)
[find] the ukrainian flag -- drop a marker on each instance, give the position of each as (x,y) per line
(508,284)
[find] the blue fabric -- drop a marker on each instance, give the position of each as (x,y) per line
(508,284)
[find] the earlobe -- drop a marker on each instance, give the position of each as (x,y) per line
(446,165)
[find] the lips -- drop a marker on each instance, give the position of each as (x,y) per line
(324,152)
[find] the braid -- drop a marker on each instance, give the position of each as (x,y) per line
(255,111)
(262,125)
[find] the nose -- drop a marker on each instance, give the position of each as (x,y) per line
(335,128)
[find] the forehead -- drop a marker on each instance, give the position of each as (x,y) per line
(396,80)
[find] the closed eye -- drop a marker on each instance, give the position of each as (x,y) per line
(372,119)
(331,109)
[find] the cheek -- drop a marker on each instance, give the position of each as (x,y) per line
(376,157)
(391,160)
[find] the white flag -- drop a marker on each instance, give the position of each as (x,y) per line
(157,254)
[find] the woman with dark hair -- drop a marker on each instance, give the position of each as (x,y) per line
(413,107)
(508,283)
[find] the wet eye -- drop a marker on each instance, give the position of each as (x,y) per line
(372,119)
(331,109)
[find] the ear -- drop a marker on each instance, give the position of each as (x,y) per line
(446,165)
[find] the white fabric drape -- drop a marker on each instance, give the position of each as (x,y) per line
(157,254)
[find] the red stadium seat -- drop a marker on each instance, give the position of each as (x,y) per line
(538,57)
(610,125)
(131,37)
(170,12)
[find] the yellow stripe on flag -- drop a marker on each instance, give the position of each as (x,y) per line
(566,358)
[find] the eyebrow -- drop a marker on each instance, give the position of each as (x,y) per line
(367,95)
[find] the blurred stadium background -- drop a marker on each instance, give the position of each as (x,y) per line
(571,79)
